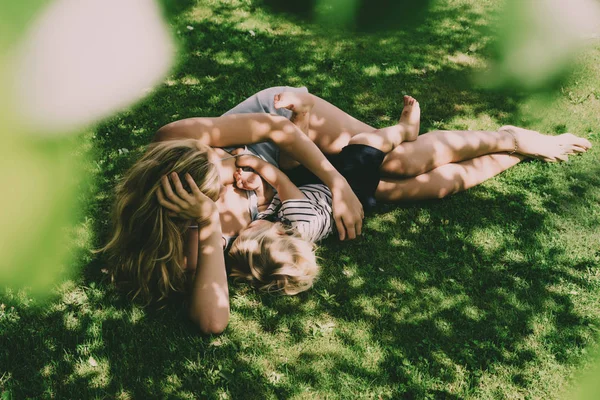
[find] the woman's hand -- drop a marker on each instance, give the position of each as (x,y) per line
(347,211)
(196,205)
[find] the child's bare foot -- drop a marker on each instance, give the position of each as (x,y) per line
(410,118)
(294,101)
(546,147)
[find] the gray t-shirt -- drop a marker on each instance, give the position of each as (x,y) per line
(262,102)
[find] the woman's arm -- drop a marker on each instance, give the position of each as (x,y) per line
(209,307)
(273,175)
(190,248)
(241,129)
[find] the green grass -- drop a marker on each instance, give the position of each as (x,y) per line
(492,293)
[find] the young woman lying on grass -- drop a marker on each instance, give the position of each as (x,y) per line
(273,255)
(145,252)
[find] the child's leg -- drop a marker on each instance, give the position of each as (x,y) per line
(386,139)
(331,128)
(445,180)
(301,104)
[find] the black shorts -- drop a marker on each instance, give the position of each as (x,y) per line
(358,163)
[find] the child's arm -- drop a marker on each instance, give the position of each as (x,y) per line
(286,189)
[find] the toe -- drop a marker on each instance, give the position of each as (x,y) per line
(570,139)
(585,143)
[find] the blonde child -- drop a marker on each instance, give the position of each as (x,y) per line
(276,251)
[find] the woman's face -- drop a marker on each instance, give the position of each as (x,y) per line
(214,158)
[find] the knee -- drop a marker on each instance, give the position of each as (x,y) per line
(363,138)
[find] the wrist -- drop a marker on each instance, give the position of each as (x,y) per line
(209,228)
(250,161)
(257,162)
(335,181)
(260,166)
(210,216)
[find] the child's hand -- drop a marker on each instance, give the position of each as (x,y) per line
(249,160)
(247,179)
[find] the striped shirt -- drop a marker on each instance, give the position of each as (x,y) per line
(312,216)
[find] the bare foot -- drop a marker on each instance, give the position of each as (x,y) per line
(546,147)
(293,101)
(410,118)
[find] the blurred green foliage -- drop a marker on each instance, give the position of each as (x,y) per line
(39,176)
(492,293)
(15,17)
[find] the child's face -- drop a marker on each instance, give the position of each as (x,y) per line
(246,180)
(258,223)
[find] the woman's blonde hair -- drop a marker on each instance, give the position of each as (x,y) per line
(273,257)
(145,252)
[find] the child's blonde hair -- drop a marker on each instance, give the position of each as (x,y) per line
(274,257)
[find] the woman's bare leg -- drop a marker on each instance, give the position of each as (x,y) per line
(443,153)
(445,180)
(437,148)
(331,129)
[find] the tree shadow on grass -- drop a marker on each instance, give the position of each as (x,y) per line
(440,304)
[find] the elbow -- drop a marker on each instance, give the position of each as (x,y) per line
(211,325)
(162,134)
(213,328)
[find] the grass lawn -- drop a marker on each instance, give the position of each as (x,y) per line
(491,293)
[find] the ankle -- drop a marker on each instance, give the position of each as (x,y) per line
(508,141)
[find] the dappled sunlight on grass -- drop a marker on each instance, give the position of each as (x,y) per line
(489,293)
